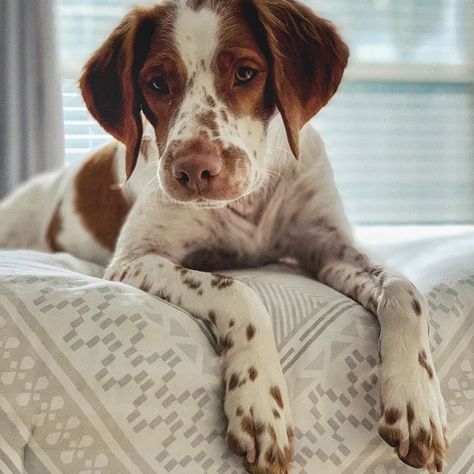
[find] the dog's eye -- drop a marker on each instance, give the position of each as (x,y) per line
(244,75)
(160,85)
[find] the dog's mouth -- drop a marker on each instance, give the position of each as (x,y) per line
(204,199)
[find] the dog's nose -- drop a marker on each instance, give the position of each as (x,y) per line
(196,170)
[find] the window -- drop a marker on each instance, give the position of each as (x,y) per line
(400,132)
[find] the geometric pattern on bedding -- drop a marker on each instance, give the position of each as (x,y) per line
(97,377)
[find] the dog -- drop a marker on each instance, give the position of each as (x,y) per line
(215,167)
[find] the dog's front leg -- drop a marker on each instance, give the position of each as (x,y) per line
(256,397)
(413,412)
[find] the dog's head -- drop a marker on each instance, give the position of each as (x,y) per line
(209,75)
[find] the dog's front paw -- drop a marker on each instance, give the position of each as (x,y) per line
(257,407)
(413,412)
(413,415)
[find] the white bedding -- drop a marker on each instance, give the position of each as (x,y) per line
(97,377)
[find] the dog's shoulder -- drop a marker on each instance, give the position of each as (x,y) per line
(92,205)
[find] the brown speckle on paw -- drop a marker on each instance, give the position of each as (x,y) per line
(251,427)
(220,281)
(123,275)
(390,435)
(234,444)
(226,343)
(253,373)
(145,285)
(212,317)
(423,360)
(410,414)
(250,332)
(233,381)
(440,446)
(419,451)
(191,283)
(239,411)
(162,294)
(278,460)
(181,269)
(392,415)
(276,394)
(415,304)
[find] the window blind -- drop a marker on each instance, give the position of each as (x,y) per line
(400,132)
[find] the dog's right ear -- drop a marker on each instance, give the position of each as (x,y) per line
(308,59)
(109,81)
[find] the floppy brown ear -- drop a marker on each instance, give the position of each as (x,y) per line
(109,81)
(309,58)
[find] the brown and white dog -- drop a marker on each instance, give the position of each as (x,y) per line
(209,101)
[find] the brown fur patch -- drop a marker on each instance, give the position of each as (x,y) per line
(415,304)
(221,282)
(392,415)
(276,414)
(226,343)
(212,317)
(54,230)
(410,414)
(390,435)
(145,285)
(164,295)
(251,427)
(276,394)
(123,275)
(191,283)
(208,119)
(181,269)
(109,84)
(101,206)
(253,373)
(211,102)
(238,45)
(233,381)
(239,411)
(277,459)
(250,331)
(234,444)
(423,360)
(440,446)
(419,451)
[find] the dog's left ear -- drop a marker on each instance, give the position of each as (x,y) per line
(309,58)
(109,81)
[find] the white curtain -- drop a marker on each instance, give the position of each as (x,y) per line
(31,121)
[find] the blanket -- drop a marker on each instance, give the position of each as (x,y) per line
(99,377)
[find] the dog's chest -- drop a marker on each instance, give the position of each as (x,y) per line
(245,234)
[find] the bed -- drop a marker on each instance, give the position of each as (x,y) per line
(98,377)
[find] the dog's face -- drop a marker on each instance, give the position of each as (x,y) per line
(209,75)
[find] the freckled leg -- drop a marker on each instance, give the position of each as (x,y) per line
(413,412)
(256,398)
